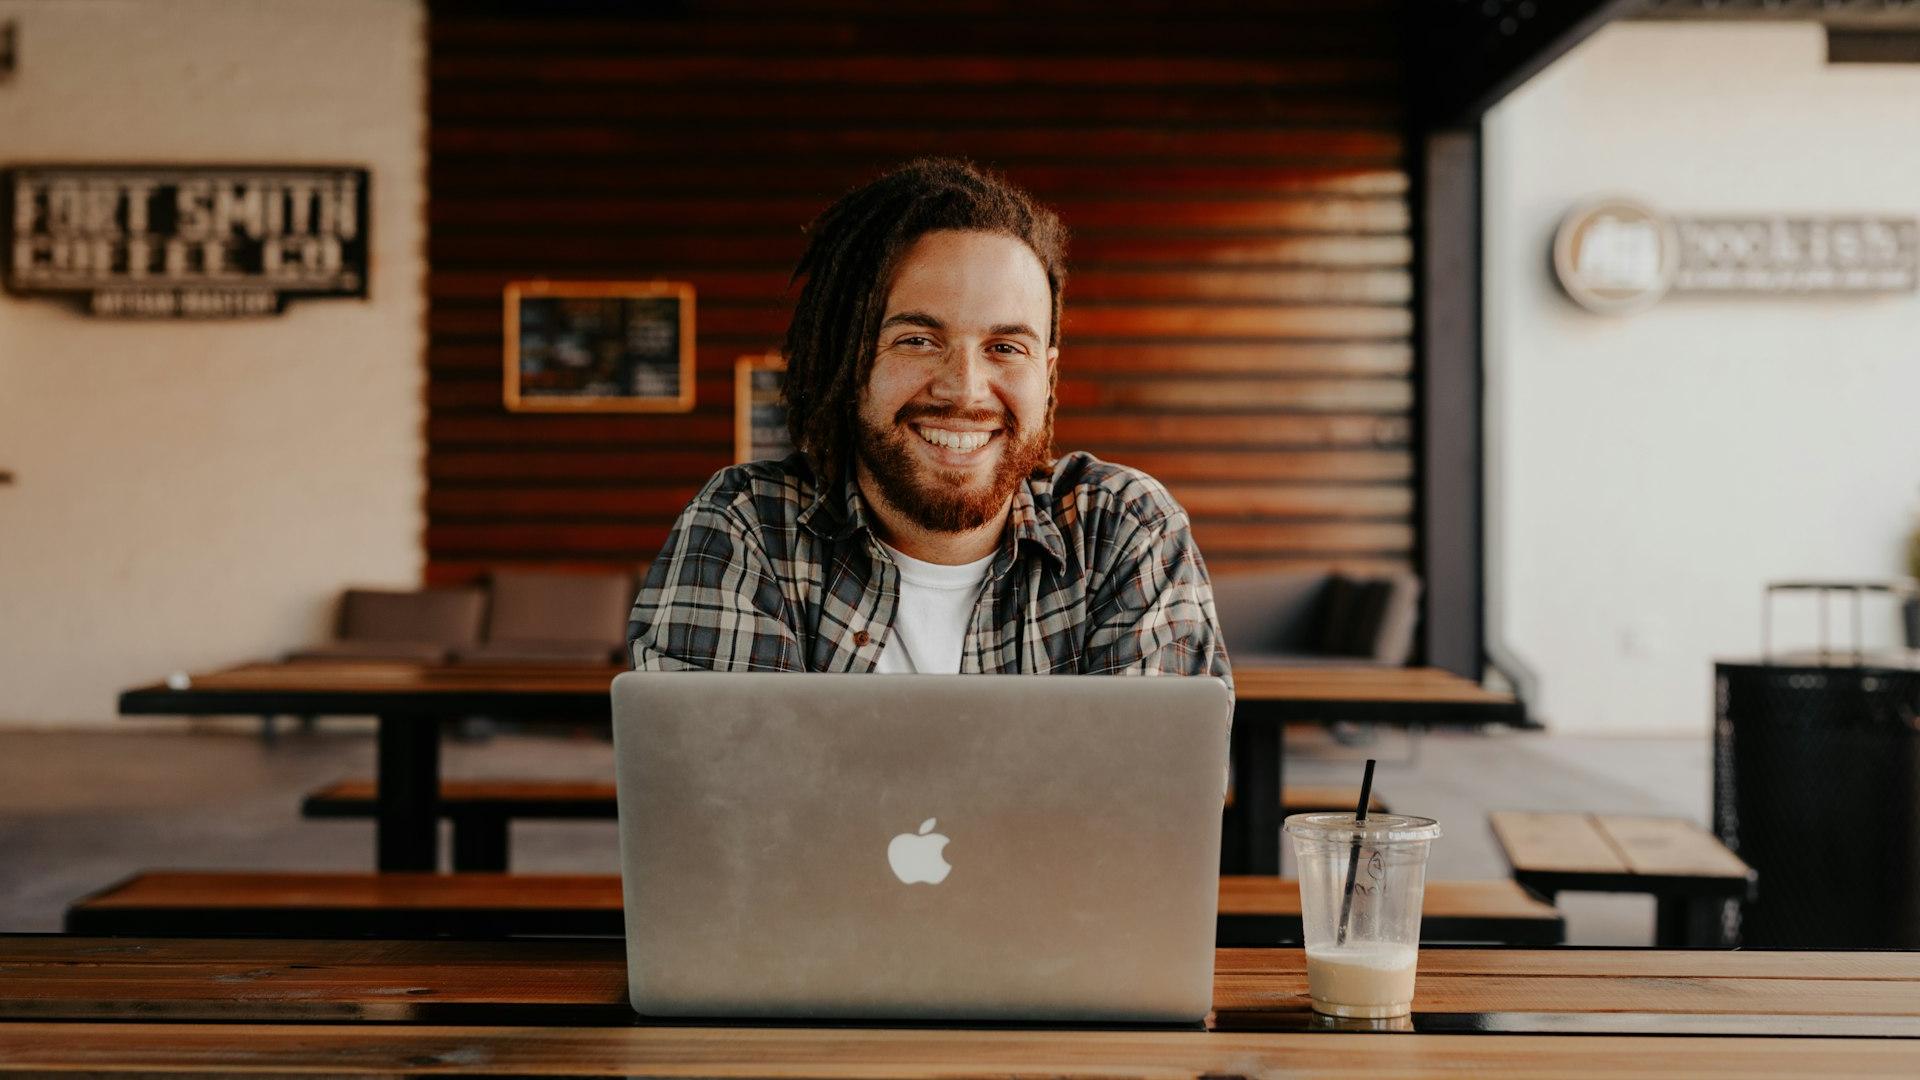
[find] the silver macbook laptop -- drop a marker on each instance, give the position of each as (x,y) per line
(965,847)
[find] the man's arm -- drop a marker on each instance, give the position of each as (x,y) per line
(1153,611)
(712,601)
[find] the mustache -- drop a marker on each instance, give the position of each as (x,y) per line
(910,413)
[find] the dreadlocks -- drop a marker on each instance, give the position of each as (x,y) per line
(853,249)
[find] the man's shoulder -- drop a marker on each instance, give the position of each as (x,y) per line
(1085,491)
(760,492)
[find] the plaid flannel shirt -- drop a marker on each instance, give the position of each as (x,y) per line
(764,571)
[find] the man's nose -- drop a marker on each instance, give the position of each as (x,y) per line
(963,376)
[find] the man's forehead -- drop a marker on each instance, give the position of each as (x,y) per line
(975,280)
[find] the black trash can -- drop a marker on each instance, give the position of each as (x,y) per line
(1817,787)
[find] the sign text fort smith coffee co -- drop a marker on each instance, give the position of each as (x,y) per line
(193,241)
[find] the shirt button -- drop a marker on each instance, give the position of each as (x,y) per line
(859,637)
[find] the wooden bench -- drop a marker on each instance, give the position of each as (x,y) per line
(481,810)
(1254,911)
(1690,874)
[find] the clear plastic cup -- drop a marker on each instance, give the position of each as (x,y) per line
(1362,965)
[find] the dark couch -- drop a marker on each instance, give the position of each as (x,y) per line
(1305,618)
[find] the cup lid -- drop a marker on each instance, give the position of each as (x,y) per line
(1377,829)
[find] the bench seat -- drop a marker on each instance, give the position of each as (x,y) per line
(1690,874)
(1254,911)
(481,810)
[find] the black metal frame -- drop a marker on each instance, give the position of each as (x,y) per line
(1460,59)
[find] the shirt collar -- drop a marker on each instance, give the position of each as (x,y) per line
(837,512)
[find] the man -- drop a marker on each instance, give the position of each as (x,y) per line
(924,525)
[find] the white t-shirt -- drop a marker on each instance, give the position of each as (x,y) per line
(936,604)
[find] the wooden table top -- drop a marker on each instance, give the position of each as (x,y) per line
(356,1049)
(315,686)
(51,977)
(1616,851)
(559,1008)
(1254,910)
(1430,685)
(385,676)
(1362,684)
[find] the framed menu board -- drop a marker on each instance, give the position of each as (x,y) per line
(759,416)
(599,346)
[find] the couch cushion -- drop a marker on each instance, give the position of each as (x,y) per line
(1370,617)
(1266,613)
(445,617)
(548,608)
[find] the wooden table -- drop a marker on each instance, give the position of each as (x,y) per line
(1266,699)
(1258,910)
(1689,872)
(412,699)
(560,1007)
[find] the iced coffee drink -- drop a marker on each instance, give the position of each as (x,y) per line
(1361,887)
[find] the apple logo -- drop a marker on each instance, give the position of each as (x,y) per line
(917,858)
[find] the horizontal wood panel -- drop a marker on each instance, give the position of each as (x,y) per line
(1221,502)
(662,254)
(1238,312)
(1332,465)
(1362,146)
(881,72)
(1155,10)
(1322,214)
(825,177)
(443,570)
(1145,393)
(1320,33)
(644,541)
(1159,429)
(806,104)
(1364,285)
(1197,359)
(1169,320)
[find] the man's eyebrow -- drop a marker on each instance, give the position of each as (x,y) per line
(913,318)
(1014,329)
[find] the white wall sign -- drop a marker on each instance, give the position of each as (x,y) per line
(1618,255)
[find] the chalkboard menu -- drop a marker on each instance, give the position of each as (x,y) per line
(185,241)
(576,346)
(759,417)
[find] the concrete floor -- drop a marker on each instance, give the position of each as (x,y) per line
(80,810)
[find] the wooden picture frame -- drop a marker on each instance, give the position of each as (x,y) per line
(599,346)
(759,419)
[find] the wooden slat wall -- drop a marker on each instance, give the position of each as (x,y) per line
(1238,317)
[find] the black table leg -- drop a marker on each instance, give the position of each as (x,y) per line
(408,778)
(1257,746)
(1688,921)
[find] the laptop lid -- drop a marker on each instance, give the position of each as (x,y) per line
(920,846)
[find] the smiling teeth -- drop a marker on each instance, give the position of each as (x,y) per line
(964,441)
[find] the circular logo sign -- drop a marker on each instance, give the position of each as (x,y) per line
(1615,256)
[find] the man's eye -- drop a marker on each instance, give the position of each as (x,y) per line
(916,341)
(1008,348)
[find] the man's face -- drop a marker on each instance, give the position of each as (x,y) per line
(954,415)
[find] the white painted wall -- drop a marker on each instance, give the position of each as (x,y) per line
(1647,474)
(195,493)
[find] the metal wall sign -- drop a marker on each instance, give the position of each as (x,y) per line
(1618,255)
(185,241)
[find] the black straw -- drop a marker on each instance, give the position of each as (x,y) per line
(1353,857)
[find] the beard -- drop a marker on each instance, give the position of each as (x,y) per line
(947,500)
